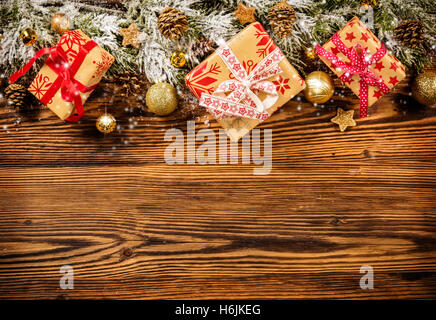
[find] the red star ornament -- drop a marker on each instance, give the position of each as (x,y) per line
(378,94)
(364,37)
(393,80)
(350,36)
(394,66)
(379,66)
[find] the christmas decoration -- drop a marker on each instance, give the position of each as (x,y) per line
(130,35)
(202,47)
(310,53)
(410,33)
(372,3)
(244,14)
(344,119)
(129,84)
(178,59)
(362,62)
(226,81)
(16,94)
(319,87)
(172,23)
(424,88)
(161,98)
(71,72)
(210,19)
(28,36)
(60,23)
(106,123)
(282,19)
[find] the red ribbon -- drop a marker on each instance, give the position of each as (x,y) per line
(70,87)
(359,64)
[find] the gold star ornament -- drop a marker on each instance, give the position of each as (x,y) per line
(130,35)
(244,14)
(344,119)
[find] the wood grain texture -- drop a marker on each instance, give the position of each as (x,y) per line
(134,227)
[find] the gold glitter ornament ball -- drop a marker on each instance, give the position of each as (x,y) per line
(178,59)
(161,98)
(106,123)
(60,23)
(319,87)
(28,36)
(424,88)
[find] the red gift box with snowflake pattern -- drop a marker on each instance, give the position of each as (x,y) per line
(252,62)
(73,69)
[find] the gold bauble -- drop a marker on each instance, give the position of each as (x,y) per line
(424,88)
(161,98)
(106,123)
(178,59)
(319,87)
(28,36)
(60,23)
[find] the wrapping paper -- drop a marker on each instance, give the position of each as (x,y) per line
(251,46)
(89,73)
(388,68)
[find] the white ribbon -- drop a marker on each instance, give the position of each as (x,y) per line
(242,101)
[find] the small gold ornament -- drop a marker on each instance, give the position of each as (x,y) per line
(368,3)
(178,59)
(311,53)
(106,123)
(244,14)
(424,88)
(161,98)
(28,36)
(60,23)
(319,87)
(130,35)
(344,119)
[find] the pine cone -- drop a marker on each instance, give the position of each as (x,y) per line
(410,33)
(172,23)
(129,83)
(16,94)
(202,47)
(282,19)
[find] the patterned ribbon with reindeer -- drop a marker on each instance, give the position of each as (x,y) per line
(237,98)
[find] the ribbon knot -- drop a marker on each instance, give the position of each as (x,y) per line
(237,97)
(70,87)
(360,63)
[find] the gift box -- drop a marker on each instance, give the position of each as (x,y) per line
(362,62)
(244,81)
(71,72)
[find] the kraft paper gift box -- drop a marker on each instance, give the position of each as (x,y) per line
(374,65)
(215,79)
(73,69)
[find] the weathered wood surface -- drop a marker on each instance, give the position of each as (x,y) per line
(134,227)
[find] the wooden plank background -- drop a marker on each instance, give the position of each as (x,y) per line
(132,226)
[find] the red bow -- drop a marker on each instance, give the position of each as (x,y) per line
(359,64)
(70,87)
